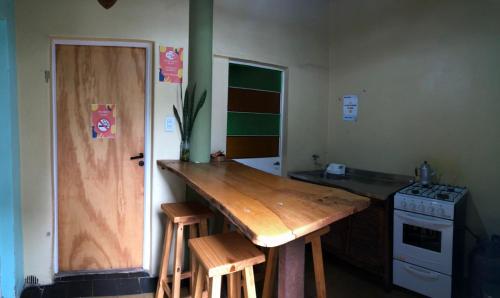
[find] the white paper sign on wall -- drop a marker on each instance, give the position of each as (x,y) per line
(350,108)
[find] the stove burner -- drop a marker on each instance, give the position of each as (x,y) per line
(448,193)
(443,196)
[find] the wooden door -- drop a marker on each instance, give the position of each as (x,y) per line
(100,190)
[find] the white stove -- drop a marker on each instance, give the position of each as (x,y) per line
(428,238)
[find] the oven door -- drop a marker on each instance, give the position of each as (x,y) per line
(423,240)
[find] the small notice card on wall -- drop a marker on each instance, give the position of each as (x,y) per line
(350,107)
(103,121)
(171,60)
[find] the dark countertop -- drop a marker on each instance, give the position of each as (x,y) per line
(366,183)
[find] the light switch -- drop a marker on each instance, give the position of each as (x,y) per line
(170,124)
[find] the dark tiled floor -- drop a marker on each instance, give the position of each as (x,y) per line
(342,280)
(94,285)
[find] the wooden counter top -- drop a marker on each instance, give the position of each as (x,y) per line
(270,210)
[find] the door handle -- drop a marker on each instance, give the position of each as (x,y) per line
(417,220)
(276,163)
(141,155)
(422,273)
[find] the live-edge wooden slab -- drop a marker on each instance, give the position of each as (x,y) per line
(270,210)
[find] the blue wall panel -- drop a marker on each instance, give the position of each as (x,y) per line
(11,251)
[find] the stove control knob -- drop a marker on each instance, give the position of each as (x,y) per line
(403,204)
(421,207)
(430,210)
(412,206)
(441,211)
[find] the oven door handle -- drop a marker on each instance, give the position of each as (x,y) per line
(418,220)
(421,272)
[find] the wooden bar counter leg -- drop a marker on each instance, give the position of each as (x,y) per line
(319,271)
(291,269)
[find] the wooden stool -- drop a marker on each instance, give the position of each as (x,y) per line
(179,215)
(319,274)
(222,254)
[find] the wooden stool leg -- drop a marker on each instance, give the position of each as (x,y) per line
(215,285)
(270,273)
(226,226)
(164,260)
(244,285)
(234,285)
(193,233)
(319,273)
(203,227)
(194,275)
(198,285)
(178,259)
(203,231)
(249,282)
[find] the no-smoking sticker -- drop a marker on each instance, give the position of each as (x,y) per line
(103,125)
(103,121)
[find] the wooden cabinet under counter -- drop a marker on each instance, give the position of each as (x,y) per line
(365,238)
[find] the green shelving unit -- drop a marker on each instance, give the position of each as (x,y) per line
(256,123)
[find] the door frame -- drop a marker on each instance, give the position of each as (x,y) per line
(148,129)
(283,100)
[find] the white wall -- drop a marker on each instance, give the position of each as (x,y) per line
(288,33)
(220,83)
(428,78)
(284,33)
(162,21)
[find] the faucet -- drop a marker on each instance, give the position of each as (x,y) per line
(315,157)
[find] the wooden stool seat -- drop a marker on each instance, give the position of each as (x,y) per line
(223,254)
(186,213)
(319,274)
(190,214)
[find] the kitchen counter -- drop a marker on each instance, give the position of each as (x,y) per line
(363,239)
(371,184)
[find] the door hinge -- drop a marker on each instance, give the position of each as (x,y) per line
(47,76)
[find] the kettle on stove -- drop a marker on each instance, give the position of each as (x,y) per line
(425,172)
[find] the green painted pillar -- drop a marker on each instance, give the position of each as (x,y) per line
(200,72)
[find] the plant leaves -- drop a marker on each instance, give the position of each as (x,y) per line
(190,120)
(184,112)
(200,104)
(176,113)
(190,110)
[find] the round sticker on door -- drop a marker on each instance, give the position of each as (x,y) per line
(103,125)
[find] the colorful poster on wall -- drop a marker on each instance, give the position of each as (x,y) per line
(103,121)
(171,60)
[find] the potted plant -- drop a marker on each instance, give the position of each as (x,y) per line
(190,109)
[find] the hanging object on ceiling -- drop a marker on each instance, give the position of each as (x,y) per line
(107,3)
